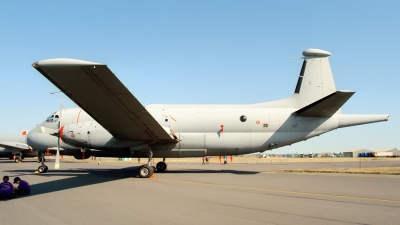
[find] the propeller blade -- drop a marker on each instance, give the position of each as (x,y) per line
(57,164)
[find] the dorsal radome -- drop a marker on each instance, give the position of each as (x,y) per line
(316,53)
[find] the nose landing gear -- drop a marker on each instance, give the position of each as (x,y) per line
(42,168)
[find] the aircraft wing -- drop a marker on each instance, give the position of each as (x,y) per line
(11,145)
(101,94)
(327,106)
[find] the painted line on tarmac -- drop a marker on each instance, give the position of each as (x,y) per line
(279,191)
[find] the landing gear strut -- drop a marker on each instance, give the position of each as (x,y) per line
(147,170)
(42,168)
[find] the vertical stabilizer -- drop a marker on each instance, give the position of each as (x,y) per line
(315,80)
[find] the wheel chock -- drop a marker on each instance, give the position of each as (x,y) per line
(36,171)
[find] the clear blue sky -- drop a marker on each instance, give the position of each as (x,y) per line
(207,52)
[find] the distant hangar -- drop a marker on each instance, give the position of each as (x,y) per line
(354,153)
(368,153)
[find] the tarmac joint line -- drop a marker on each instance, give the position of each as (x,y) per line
(280,191)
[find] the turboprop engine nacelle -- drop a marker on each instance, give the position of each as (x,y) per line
(91,135)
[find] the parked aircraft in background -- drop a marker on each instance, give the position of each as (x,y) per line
(15,146)
(114,123)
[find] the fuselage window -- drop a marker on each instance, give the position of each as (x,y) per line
(55,118)
(243,118)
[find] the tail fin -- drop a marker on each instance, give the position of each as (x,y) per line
(315,80)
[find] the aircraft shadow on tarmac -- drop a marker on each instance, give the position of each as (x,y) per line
(12,161)
(85,177)
(237,172)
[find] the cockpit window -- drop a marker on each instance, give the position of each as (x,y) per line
(52,118)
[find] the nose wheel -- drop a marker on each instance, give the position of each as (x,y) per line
(43,169)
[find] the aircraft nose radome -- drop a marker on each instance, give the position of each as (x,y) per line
(63,62)
(316,52)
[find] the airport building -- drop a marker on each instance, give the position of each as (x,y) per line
(393,151)
(354,153)
(324,154)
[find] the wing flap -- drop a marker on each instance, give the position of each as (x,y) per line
(101,94)
(327,106)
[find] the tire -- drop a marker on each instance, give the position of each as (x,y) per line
(145,171)
(17,160)
(46,168)
(42,169)
(161,166)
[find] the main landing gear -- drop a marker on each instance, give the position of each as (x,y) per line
(42,168)
(147,170)
(161,166)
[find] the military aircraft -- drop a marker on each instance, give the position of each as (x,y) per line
(15,147)
(113,122)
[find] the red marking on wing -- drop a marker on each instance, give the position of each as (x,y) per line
(24,132)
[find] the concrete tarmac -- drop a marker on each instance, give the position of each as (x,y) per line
(110,193)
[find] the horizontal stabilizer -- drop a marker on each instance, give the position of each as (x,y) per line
(354,120)
(327,106)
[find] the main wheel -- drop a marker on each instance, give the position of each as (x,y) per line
(46,168)
(161,166)
(145,171)
(17,160)
(42,169)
